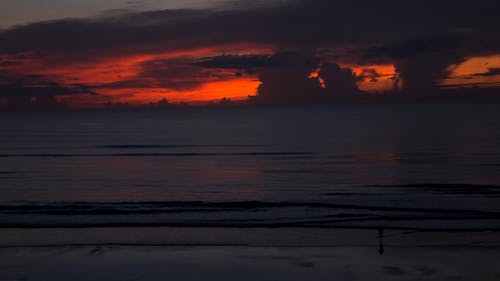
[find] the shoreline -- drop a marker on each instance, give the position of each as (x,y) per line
(263,254)
(251,237)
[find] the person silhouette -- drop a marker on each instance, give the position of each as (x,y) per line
(381,241)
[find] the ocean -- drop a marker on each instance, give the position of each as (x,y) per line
(429,166)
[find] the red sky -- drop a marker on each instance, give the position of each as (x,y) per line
(122,68)
(475,71)
(204,51)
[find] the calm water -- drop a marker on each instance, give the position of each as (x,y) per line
(410,166)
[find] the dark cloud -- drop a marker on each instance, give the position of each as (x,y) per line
(178,74)
(292,83)
(172,74)
(246,62)
(288,85)
(491,72)
(421,62)
(306,23)
(252,63)
(339,81)
(421,75)
(413,48)
(38,94)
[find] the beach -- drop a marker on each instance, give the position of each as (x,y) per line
(250,254)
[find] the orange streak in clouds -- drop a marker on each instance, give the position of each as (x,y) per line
(104,67)
(234,89)
(384,83)
(109,67)
(468,73)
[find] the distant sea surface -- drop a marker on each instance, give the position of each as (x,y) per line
(432,166)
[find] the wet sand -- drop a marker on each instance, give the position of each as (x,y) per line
(247,254)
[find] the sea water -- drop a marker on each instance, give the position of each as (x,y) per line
(428,166)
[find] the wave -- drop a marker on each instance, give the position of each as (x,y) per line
(167,206)
(180,154)
(439,185)
(147,146)
(239,214)
(452,188)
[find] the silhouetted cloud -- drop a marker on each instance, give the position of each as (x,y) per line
(252,62)
(22,97)
(339,81)
(491,72)
(174,74)
(421,62)
(292,83)
(38,94)
(247,62)
(288,85)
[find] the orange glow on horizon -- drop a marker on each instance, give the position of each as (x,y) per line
(474,71)
(234,89)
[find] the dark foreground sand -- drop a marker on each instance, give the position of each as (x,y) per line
(246,254)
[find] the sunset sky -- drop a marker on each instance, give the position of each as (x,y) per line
(93,54)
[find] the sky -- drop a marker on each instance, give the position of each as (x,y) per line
(113,53)
(19,12)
